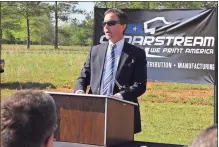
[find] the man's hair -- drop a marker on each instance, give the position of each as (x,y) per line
(207,138)
(122,16)
(28,119)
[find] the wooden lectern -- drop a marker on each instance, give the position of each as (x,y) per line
(93,119)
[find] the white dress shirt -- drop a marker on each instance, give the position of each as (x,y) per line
(118,50)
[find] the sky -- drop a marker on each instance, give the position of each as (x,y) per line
(87,6)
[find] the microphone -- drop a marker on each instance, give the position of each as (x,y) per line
(118,85)
(121,88)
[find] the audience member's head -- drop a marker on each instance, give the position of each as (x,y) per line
(207,138)
(28,119)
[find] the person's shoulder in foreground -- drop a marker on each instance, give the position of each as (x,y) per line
(28,119)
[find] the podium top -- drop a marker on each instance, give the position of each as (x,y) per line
(91,95)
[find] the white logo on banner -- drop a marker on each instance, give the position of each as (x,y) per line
(152,30)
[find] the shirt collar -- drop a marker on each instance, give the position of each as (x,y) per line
(119,43)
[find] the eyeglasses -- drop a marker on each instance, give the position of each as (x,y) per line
(110,23)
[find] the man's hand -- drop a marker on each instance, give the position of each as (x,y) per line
(79,92)
(118,95)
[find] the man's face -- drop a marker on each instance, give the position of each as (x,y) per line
(112,29)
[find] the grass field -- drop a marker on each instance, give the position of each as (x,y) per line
(171,112)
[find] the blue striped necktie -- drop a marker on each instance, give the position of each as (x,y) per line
(107,88)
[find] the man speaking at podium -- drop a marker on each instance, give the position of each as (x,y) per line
(115,68)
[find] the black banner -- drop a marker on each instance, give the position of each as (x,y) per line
(179,44)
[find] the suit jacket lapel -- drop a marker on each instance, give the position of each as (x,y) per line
(123,58)
(102,54)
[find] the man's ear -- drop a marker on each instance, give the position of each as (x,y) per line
(49,142)
(124,26)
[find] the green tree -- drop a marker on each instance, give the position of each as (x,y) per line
(122,5)
(65,33)
(15,27)
(87,25)
(7,20)
(157,5)
(42,30)
(77,32)
(62,11)
(0,26)
(82,32)
(30,10)
(18,18)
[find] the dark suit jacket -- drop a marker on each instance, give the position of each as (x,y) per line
(131,72)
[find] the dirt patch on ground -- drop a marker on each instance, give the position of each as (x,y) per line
(165,94)
(184,93)
(187,93)
(193,93)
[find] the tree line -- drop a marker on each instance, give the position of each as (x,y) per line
(50,23)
